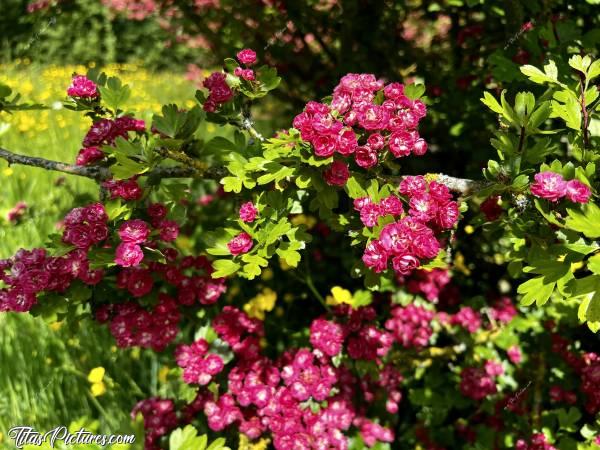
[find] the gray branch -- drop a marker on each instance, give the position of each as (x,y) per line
(103,173)
(460,185)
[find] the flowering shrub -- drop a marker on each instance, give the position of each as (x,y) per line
(218,255)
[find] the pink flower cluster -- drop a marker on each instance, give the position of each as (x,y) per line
(434,285)
(86,226)
(132,233)
(558,394)
(364,339)
(537,442)
(413,237)
(326,336)
(82,87)
(199,365)
(128,190)
(159,419)
(410,325)
(246,57)
(372,433)
(467,318)
(219,91)
(479,382)
(29,273)
(106,131)
(552,186)
(16,212)
(267,396)
(131,325)
(503,310)
(356,124)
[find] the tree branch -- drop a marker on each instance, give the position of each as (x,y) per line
(197,170)
(100,174)
(462,186)
(94,172)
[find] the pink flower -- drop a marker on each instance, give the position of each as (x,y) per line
(476,383)
(405,264)
(447,215)
(375,256)
(139,283)
(128,254)
(491,208)
(578,192)
(549,185)
(337,174)
(169,230)
(134,231)
(395,238)
(326,336)
(370,214)
(514,354)
(82,87)
(346,142)
(88,155)
(374,117)
(467,318)
(324,145)
(392,205)
(400,143)
(411,185)
(248,212)
(419,147)
(246,56)
(242,243)
(376,141)
(157,211)
(365,157)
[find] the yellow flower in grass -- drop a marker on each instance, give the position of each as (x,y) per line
(263,302)
(338,296)
(96,377)
(162,374)
(245,443)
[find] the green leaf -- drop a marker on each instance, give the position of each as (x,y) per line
(579,63)
(539,116)
(569,111)
(594,70)
(586,220)
(224,267)
(414,91)
(114,94)
(187,439)
(492,103)
(550,74)
(535,290)
(593,264)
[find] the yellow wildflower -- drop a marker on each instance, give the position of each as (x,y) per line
(162,374)
(469,229)
(245,443)
(267,274)
(261,303)
(338,296)
(96,375)
(98,389)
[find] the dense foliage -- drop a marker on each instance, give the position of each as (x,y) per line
(326,286)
